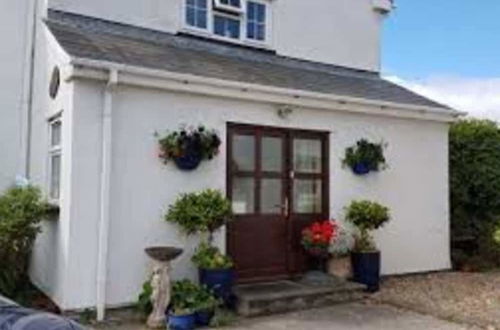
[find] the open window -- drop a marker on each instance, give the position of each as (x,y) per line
(230,6)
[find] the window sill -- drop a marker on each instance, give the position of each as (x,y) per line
(205,34)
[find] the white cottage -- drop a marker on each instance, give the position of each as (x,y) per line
(278,79)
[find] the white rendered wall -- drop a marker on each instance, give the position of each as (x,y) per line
(341,32)
(13,33)
(415,186)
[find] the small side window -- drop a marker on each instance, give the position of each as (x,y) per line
(196,13)
(256,21)
(55,156)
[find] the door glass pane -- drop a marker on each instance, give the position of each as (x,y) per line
(307,196)
(272,154)
(243,195)
(243,153)
(271,196)
(307,155)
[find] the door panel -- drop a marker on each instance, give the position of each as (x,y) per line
(278,183)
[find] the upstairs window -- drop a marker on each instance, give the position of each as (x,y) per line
(256,21)
(237,20)
(226,26)
(196,13)
(229,5)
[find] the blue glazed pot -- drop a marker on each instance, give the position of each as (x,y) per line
(189,161)
(361,168)
(204,317)
(181,322)
(366,269)
(220,281)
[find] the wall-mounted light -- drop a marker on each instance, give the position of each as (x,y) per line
(284,111)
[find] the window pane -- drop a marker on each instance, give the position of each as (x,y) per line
(201,4)
(251,11)
(307,156)
(251,30)
(272,154)
(256,18)
(190,3)
(226,27)
(190,12)
(307,196)
(243,199)
(261,13)
(201,19)
(261,32)
(55,134)
(243,153)
(270,196)
(55,175)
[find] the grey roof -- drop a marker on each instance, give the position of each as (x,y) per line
(91,38)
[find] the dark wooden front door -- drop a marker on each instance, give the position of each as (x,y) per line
(278,184)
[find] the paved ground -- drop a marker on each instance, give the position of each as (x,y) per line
(468,298)
(344,317)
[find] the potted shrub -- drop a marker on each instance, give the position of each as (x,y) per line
(340,250)
(188,147)
(316,240)
(206,304)
(365,157)
(367,216)
(205,213)
(215,270)
(181,313)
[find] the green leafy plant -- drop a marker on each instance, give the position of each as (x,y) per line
(474,159)
(144,304)
(188,298)
(207,256)
(176,144)
(343,243)
(367,153)
(366,216)
(21,210)
(201,212)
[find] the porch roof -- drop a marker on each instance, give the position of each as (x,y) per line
(96,39)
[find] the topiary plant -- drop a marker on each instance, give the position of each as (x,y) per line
(202,212)
(366,216)
(207,256)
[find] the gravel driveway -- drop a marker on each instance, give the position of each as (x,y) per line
(468,298)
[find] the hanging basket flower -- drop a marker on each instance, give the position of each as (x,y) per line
(188,147)
(365,157)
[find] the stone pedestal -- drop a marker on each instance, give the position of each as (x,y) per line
(160,283)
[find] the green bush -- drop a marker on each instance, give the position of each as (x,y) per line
(366,216)
(21,210)
(202,212)
(474,189)
(207,256)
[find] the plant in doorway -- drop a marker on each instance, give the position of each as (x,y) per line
(340,251)
(316,240)
(367,216)
(205,213)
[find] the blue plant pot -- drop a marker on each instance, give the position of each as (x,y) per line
(361,168)
(220,281)
(204,317)
(366,269)
(181,322)
(189,161)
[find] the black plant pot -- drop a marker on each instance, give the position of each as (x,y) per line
(366,269)
(189,161)
(361,168)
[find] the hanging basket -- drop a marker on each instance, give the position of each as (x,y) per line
(361,168)
(189,161)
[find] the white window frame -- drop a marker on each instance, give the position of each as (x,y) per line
(53,151)
(237,10)
(243,40)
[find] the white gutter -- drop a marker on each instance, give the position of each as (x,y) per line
(159,79)
(28,84)
(104,219)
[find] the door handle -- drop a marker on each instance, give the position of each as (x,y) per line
(284,207)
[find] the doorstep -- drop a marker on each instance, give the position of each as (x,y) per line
(285,296)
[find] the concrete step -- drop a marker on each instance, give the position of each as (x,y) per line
(312,291)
